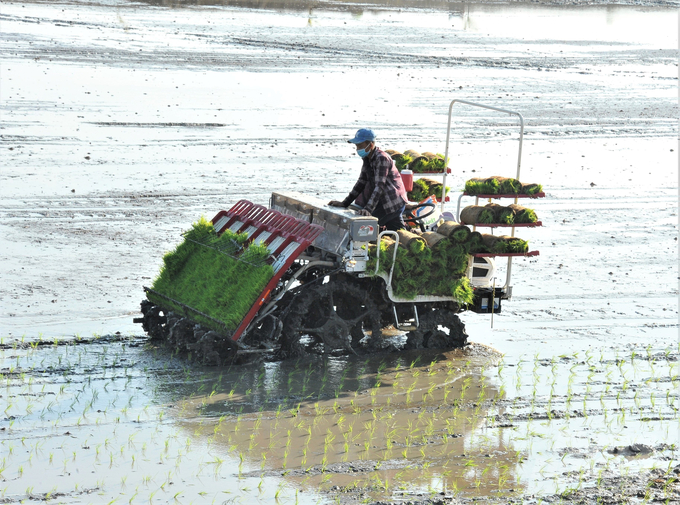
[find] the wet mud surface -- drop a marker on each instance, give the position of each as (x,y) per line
(113,418)
(122,123)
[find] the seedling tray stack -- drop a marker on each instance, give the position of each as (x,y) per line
(535,191)
(256,244)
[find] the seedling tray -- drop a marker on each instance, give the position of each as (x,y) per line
(509,195)
(506,255)
(498,225)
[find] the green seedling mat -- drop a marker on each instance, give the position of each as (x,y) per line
(439,273)
(221,276)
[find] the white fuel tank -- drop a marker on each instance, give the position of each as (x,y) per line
(482,272)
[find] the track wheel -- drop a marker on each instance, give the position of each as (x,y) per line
(154,322)
(438,329)
(330,318)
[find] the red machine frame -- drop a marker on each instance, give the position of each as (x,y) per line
(285,236)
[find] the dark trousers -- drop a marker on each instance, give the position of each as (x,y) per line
(393,221)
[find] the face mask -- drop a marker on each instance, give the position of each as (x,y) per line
(363,153)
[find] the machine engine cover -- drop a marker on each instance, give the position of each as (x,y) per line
(340,225)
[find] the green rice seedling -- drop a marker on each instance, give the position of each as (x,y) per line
(188,275)
(402,161)
(465,387)
(482,187)
(470,463)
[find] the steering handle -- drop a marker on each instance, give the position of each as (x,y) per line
(413,218)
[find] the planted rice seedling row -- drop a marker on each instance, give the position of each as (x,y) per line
(324,425)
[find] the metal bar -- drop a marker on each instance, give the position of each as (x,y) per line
(521,131)
(510,195)
(516,225)
(460,198)
(519,157)
(225,218)
(187,307)
(493,300)
(276,221)
(505,255)
(418,299)
(256,212)
(241,207)
(237,258)
(446,154)
(394,255)
(270,217)
(406,328)
(388,278)
(507,279)
(271,305)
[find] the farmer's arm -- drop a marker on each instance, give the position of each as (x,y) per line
(357,189)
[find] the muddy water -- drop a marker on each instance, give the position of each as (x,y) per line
(109,418)
(88,423)
(383,424)
(112,419)
(123,123)
(464,424)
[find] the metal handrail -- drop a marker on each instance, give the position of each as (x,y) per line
(519,161)
(388,278)
(394,254)
(448,134)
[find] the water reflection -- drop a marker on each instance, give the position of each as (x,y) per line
(266,386)
(302,5)
(609,23)
(363,425)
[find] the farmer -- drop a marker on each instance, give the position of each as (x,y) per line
(379,190)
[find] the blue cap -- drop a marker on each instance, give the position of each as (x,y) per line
(362,136)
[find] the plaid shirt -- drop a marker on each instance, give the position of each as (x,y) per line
(381,180)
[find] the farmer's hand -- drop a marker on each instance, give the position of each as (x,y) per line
(364,212)
(336,203)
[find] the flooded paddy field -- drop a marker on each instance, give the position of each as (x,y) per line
(111,419)
(121,123)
